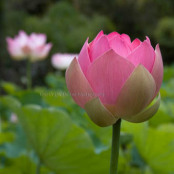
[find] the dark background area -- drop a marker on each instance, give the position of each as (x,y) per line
(67,24)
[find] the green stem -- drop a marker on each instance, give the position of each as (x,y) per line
(29,77)
(38,167)
(115,147)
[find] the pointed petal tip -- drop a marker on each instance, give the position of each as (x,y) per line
(157,47)
(22,32)
(49,45)
(87,41)
(100,47)
(101,32)
(143,54)
(157,70)
(73,62)
(8,39)
(84,57)
(147,38)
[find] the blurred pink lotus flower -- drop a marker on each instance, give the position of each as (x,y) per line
(17,47)
(62,60)
(115,78)
(14,118)
(32,46)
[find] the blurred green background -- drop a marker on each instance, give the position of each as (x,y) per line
(49,127)
(68,23)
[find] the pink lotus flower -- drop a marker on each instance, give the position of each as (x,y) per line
(14,118)
(115,78)
(62,61)
(33,47)
(17,47)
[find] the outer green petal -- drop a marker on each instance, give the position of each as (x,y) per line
(146,113)
(136,94)
(78,85)
(99,114)
(157,71)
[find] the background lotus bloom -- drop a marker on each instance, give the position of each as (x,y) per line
(13,118)
(33,47)
(39,48)
(115,78)
(18,47)
(62,61)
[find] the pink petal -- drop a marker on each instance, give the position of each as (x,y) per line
(126,38)
(83,58)
(107,75)
(157,71)
(78,85)
(44,53)
(99,48)
(112,35)
(15,49)
(136,93)
(22,39)
(99,35)
(119,46)
(37,40)
(22,34)
(39,53)
(9,41)
(135,43)
(148,40)
(144,54)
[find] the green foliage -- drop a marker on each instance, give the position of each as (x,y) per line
(164,32)
(19,165)
(154,145)
(59,143)
(52,129)
(56,81)
(10,88)
(64,26)
(6,137)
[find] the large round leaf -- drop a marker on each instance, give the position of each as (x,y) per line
(60,144)
(156,146)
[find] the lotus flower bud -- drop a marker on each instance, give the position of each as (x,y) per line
(115,78)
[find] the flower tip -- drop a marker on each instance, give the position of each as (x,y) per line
(148,40)
(22,32)
(8,39)
(157,46)
(101,31)
(50,45)
(87,40)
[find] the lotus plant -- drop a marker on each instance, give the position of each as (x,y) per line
(31,47)
(117,79)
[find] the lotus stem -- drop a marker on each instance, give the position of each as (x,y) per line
(29,76)
(38,167)
(115,147)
